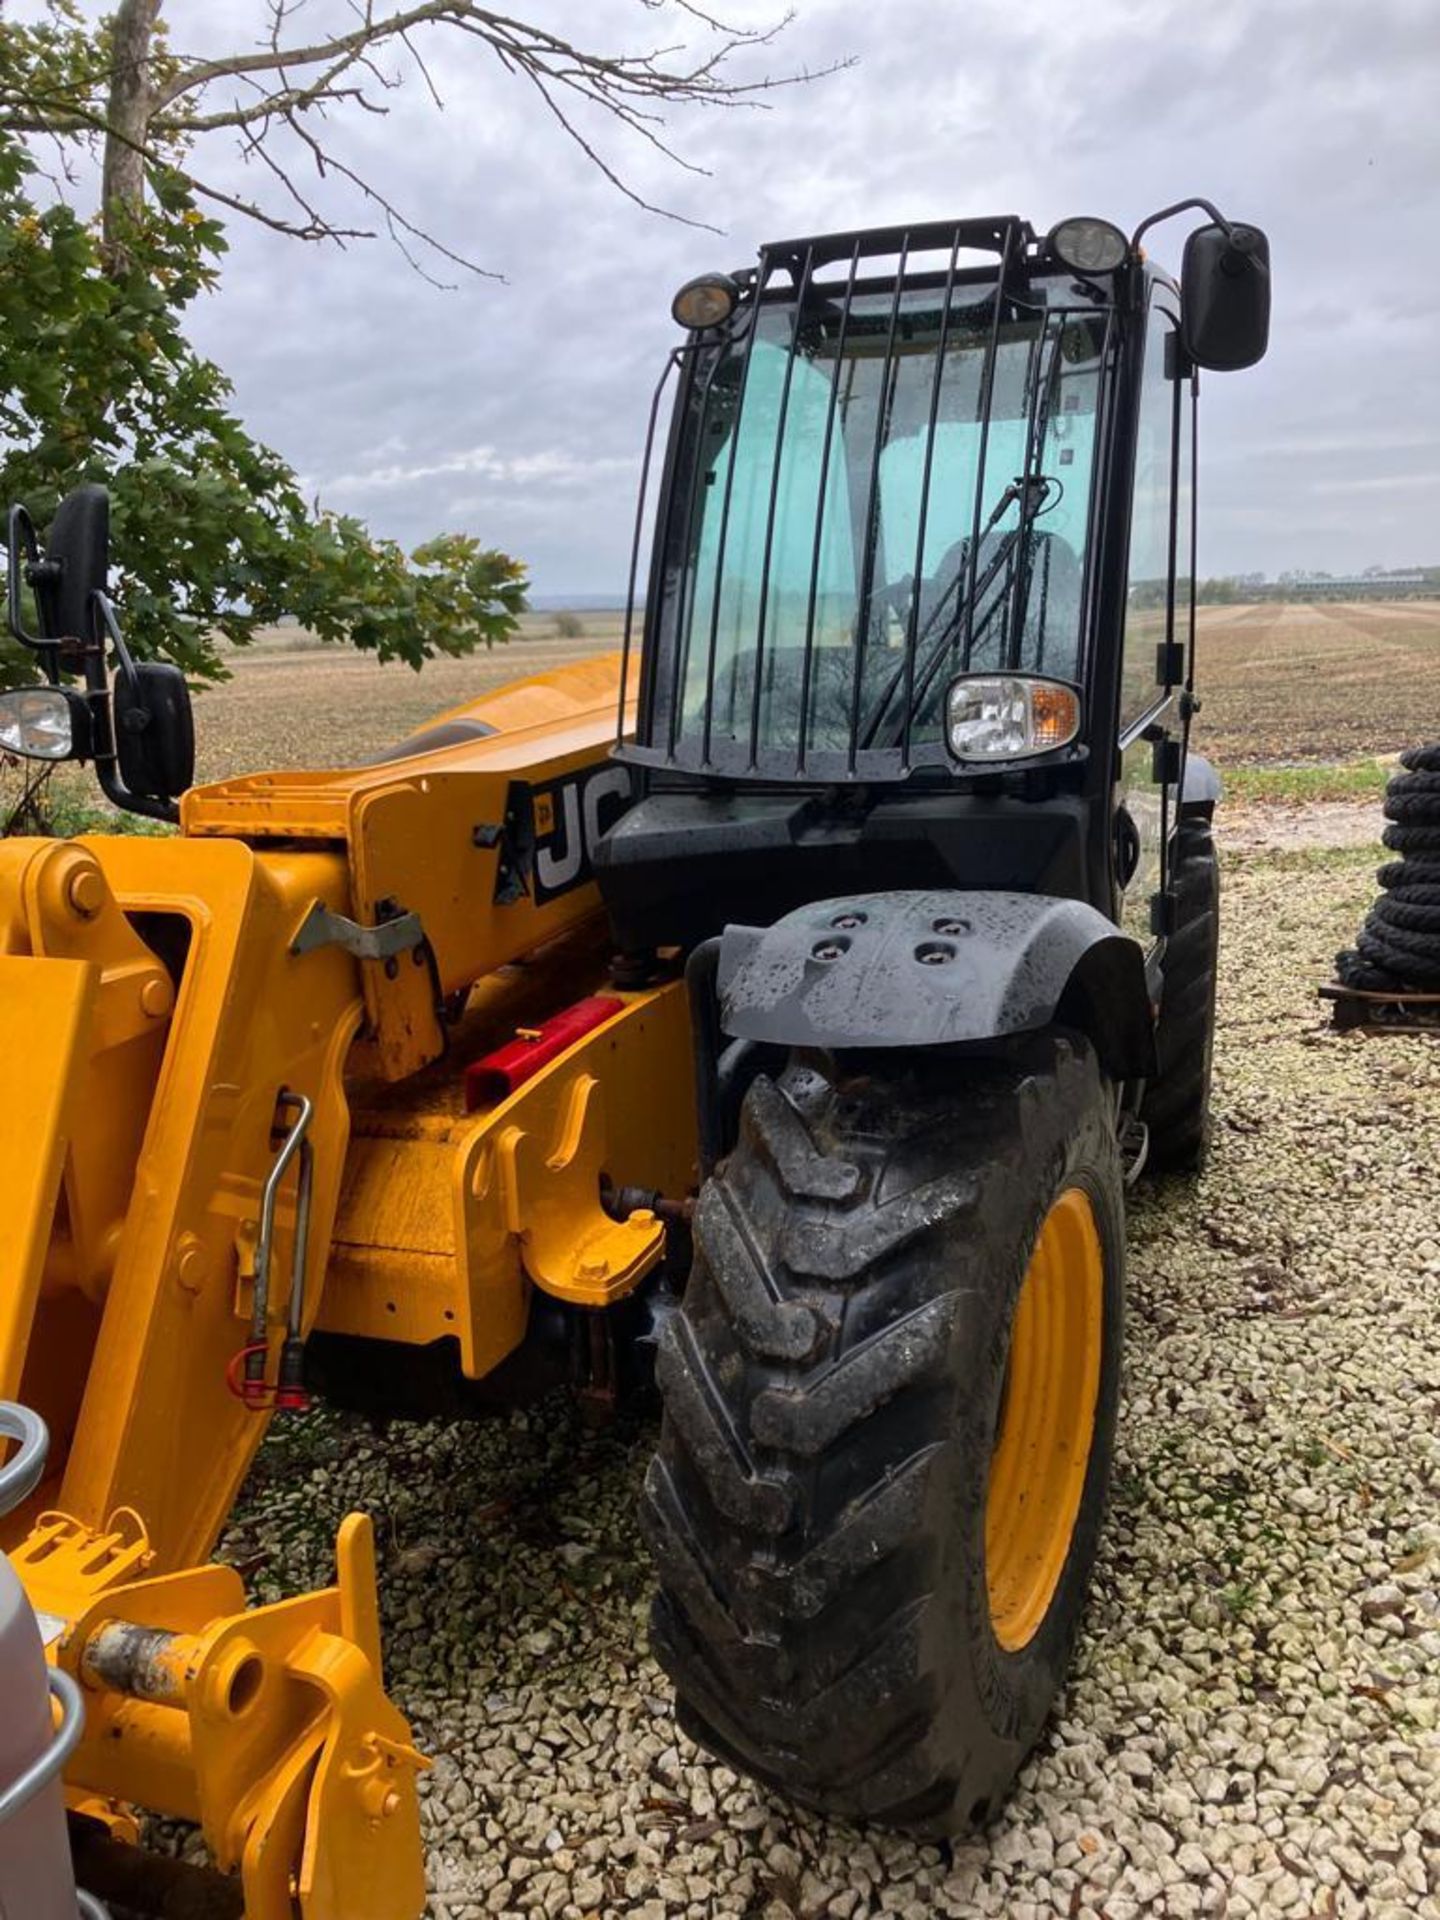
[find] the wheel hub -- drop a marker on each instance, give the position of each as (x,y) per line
(1047,1420)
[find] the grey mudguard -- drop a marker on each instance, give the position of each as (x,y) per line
(1201,790)
(935,969)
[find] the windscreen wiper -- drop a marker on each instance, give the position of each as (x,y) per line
(1032,493)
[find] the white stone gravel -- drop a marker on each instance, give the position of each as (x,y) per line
(1253,1722)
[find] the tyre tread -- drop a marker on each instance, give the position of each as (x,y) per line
(791,1509)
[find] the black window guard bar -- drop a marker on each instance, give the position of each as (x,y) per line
(668,738)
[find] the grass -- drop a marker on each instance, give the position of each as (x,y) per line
(71,804)
(69,816)
(1302,785)
(1305,860)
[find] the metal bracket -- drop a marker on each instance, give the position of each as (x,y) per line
(1167,761)
(323,928)
(1178,364)
(271,1725)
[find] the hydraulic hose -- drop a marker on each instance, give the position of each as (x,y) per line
(1398,948)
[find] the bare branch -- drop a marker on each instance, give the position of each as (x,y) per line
(650,74)
(597,160)
(311,230)
(395,221)
(272,105)
(287,88)
(368,34)
(254,149)
(424,71)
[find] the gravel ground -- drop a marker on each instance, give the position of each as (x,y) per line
(1271,826)
(1253,1722)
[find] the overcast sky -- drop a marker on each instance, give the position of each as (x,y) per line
(516,411)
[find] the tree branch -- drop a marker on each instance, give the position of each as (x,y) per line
(155,105)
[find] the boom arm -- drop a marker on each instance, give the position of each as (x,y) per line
(165,1004)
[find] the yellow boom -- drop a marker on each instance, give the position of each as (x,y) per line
(233,1100)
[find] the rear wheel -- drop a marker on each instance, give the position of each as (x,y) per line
(889,1413)
(1176,1104)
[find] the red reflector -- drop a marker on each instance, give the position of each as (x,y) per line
(498,1074)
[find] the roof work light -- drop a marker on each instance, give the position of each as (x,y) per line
(707,301)
(1086,245)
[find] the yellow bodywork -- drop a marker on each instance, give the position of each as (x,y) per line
(159,1005)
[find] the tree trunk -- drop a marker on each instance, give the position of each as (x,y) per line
(122,190)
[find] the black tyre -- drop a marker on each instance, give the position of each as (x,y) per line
(1413,809)
(1415,880)
(1176,1104)
(889,1415)
(1394,910)
(1412,840)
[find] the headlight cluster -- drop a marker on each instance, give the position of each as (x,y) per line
(44,723)
(1009,716)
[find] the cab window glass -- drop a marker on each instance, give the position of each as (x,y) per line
(1147,584)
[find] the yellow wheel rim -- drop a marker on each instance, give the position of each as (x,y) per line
(1047,1420)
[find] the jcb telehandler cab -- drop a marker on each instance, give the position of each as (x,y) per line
(915,789)
(350,1088)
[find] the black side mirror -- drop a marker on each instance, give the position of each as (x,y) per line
(139,730)
(76,564)
(1225,297)
(154,730)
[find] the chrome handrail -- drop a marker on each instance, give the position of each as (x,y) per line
(20,1475)
(44,1768)
(19,1478)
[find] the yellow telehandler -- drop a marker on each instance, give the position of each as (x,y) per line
(853,929)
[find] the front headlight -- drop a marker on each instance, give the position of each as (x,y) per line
(994,717)
(44,723)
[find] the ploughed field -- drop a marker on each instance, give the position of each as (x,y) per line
(1307,694)
(1313,683)
(293,702)
(1279,684)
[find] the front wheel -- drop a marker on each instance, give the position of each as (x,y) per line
(889,1415)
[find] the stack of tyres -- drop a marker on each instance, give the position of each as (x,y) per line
(37,1881)
(1398,948)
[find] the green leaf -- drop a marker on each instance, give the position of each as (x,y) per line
(211,533)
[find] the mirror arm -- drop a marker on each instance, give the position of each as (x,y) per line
(119,795)
(106,610)
(1182,206)
(107,764)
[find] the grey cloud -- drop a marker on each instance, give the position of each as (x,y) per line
(517,410)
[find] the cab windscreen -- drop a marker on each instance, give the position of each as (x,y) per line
(875,489)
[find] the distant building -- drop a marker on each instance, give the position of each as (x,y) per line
(1352,586)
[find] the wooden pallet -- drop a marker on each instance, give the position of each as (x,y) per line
(1354,1011)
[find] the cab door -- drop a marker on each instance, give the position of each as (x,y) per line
(1159,603)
